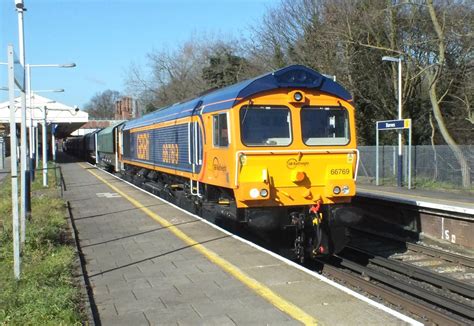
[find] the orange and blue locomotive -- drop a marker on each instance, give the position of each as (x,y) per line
(274,153)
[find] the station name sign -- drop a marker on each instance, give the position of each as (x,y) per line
(394,124)
(16,68)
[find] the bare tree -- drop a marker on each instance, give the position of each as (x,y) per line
(347,38)
(434,73)
(189,70)
(102,105)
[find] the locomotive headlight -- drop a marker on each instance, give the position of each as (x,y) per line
(298,96)
(336,190)
(264,192)
(243,159)
(345,190)
(254,193)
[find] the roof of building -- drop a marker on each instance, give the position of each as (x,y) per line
(295,76)
(66,118)
(100,124)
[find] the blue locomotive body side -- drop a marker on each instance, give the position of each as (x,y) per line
(165,147)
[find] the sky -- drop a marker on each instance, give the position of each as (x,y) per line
(104,37)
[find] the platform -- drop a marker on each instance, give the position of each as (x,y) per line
(149,262)
(440,200)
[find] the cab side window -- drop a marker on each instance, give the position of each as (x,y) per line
(220,130)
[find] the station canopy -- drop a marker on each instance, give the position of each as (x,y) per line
(65,117)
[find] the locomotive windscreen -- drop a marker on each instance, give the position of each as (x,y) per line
(265,125)
(324,126)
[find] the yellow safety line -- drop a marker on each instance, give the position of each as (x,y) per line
(276,300)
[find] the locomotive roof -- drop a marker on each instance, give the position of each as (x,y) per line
(295,76)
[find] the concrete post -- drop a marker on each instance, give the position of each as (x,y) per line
(377,180)
(24,161)
(2,153)
(36,145)
(400,144)
(31,132)
(14,164)
(45,149)
(96,149)
(53,143)
(116,165)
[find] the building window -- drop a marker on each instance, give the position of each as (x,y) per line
(220,130)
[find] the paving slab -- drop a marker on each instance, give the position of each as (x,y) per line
(144,273)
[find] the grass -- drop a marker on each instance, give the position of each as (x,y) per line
(46,294)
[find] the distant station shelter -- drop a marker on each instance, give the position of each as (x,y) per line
(63,119)
(94,125)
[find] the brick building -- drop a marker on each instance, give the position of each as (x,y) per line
(124,108)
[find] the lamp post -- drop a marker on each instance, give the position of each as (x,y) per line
(33,130)
(32,138)
(400,155)
(25,175)
(45,148)
(45,140)
(45,144)
(14,164)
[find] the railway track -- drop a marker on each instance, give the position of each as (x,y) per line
(420,261)
(425,281)
(448,256)
(427,312)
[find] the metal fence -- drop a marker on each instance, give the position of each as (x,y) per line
(432,166)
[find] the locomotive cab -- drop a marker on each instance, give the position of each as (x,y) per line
(302,158)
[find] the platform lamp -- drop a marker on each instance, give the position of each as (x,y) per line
(33,152)
(33,134)
(400,153)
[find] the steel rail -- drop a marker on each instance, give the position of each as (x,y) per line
(439,253)
(421,274)
(439,300)
(421,309)
(456,258)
